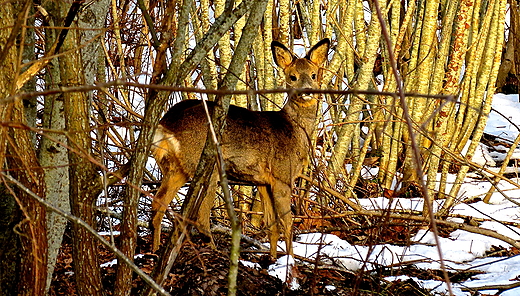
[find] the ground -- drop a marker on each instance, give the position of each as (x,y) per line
(202,270)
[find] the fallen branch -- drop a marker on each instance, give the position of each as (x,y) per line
(112,214)
(462,226)
(500,288)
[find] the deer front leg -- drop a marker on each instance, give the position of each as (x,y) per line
(270,222)
(282,208)
(277,214)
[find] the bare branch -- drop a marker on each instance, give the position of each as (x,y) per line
(92,231)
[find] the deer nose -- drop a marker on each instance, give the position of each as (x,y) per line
(307,82)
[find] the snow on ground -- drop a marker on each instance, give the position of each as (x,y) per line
(462,250)
(504,122)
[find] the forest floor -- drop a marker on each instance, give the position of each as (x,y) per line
(362,255)
(202,270)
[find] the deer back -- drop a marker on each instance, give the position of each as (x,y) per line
(256,145)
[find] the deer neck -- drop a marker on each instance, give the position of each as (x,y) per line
(302,112)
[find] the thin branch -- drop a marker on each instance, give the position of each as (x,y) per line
(92,231)
(35,68)
(159,87)
(461,226)
(228,201)
(17,26)
(149,23)
(500,288)
(416,153)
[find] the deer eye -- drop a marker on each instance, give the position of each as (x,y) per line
(313,76)
(292,77)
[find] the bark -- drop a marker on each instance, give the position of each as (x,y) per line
(82,173)
(22,161)
(480,104)
(129,226)
(53,158)
(83,178)
(209,67)
(10,242)
(515,33)
(9,211)
(344,144)
(507,63)
(24,255)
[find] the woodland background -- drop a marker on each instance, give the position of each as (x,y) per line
(84,83)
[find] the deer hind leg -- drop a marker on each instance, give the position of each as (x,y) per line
(257,206)
(171,183)
(203,217)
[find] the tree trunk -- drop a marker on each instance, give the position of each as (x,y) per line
(24,166)
(53,156)
(24,254)
(82,173)
(9,242)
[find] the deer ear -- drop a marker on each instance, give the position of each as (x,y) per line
(282,56)
(318,53)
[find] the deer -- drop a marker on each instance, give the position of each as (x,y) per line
(267,149)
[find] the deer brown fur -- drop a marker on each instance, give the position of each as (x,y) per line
(264,148)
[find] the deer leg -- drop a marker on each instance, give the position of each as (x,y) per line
(171,183)
(203,218)
(270,220)
(256,207)
(282,208)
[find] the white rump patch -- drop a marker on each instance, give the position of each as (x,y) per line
(164,142)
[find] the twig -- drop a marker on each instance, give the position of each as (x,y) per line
(35,68)
(89,228)
(500,288)
(416,154)
(462,226)
(334,193)
(112,214)
(249,240)
(120,82)
(149,23)
(228,201)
